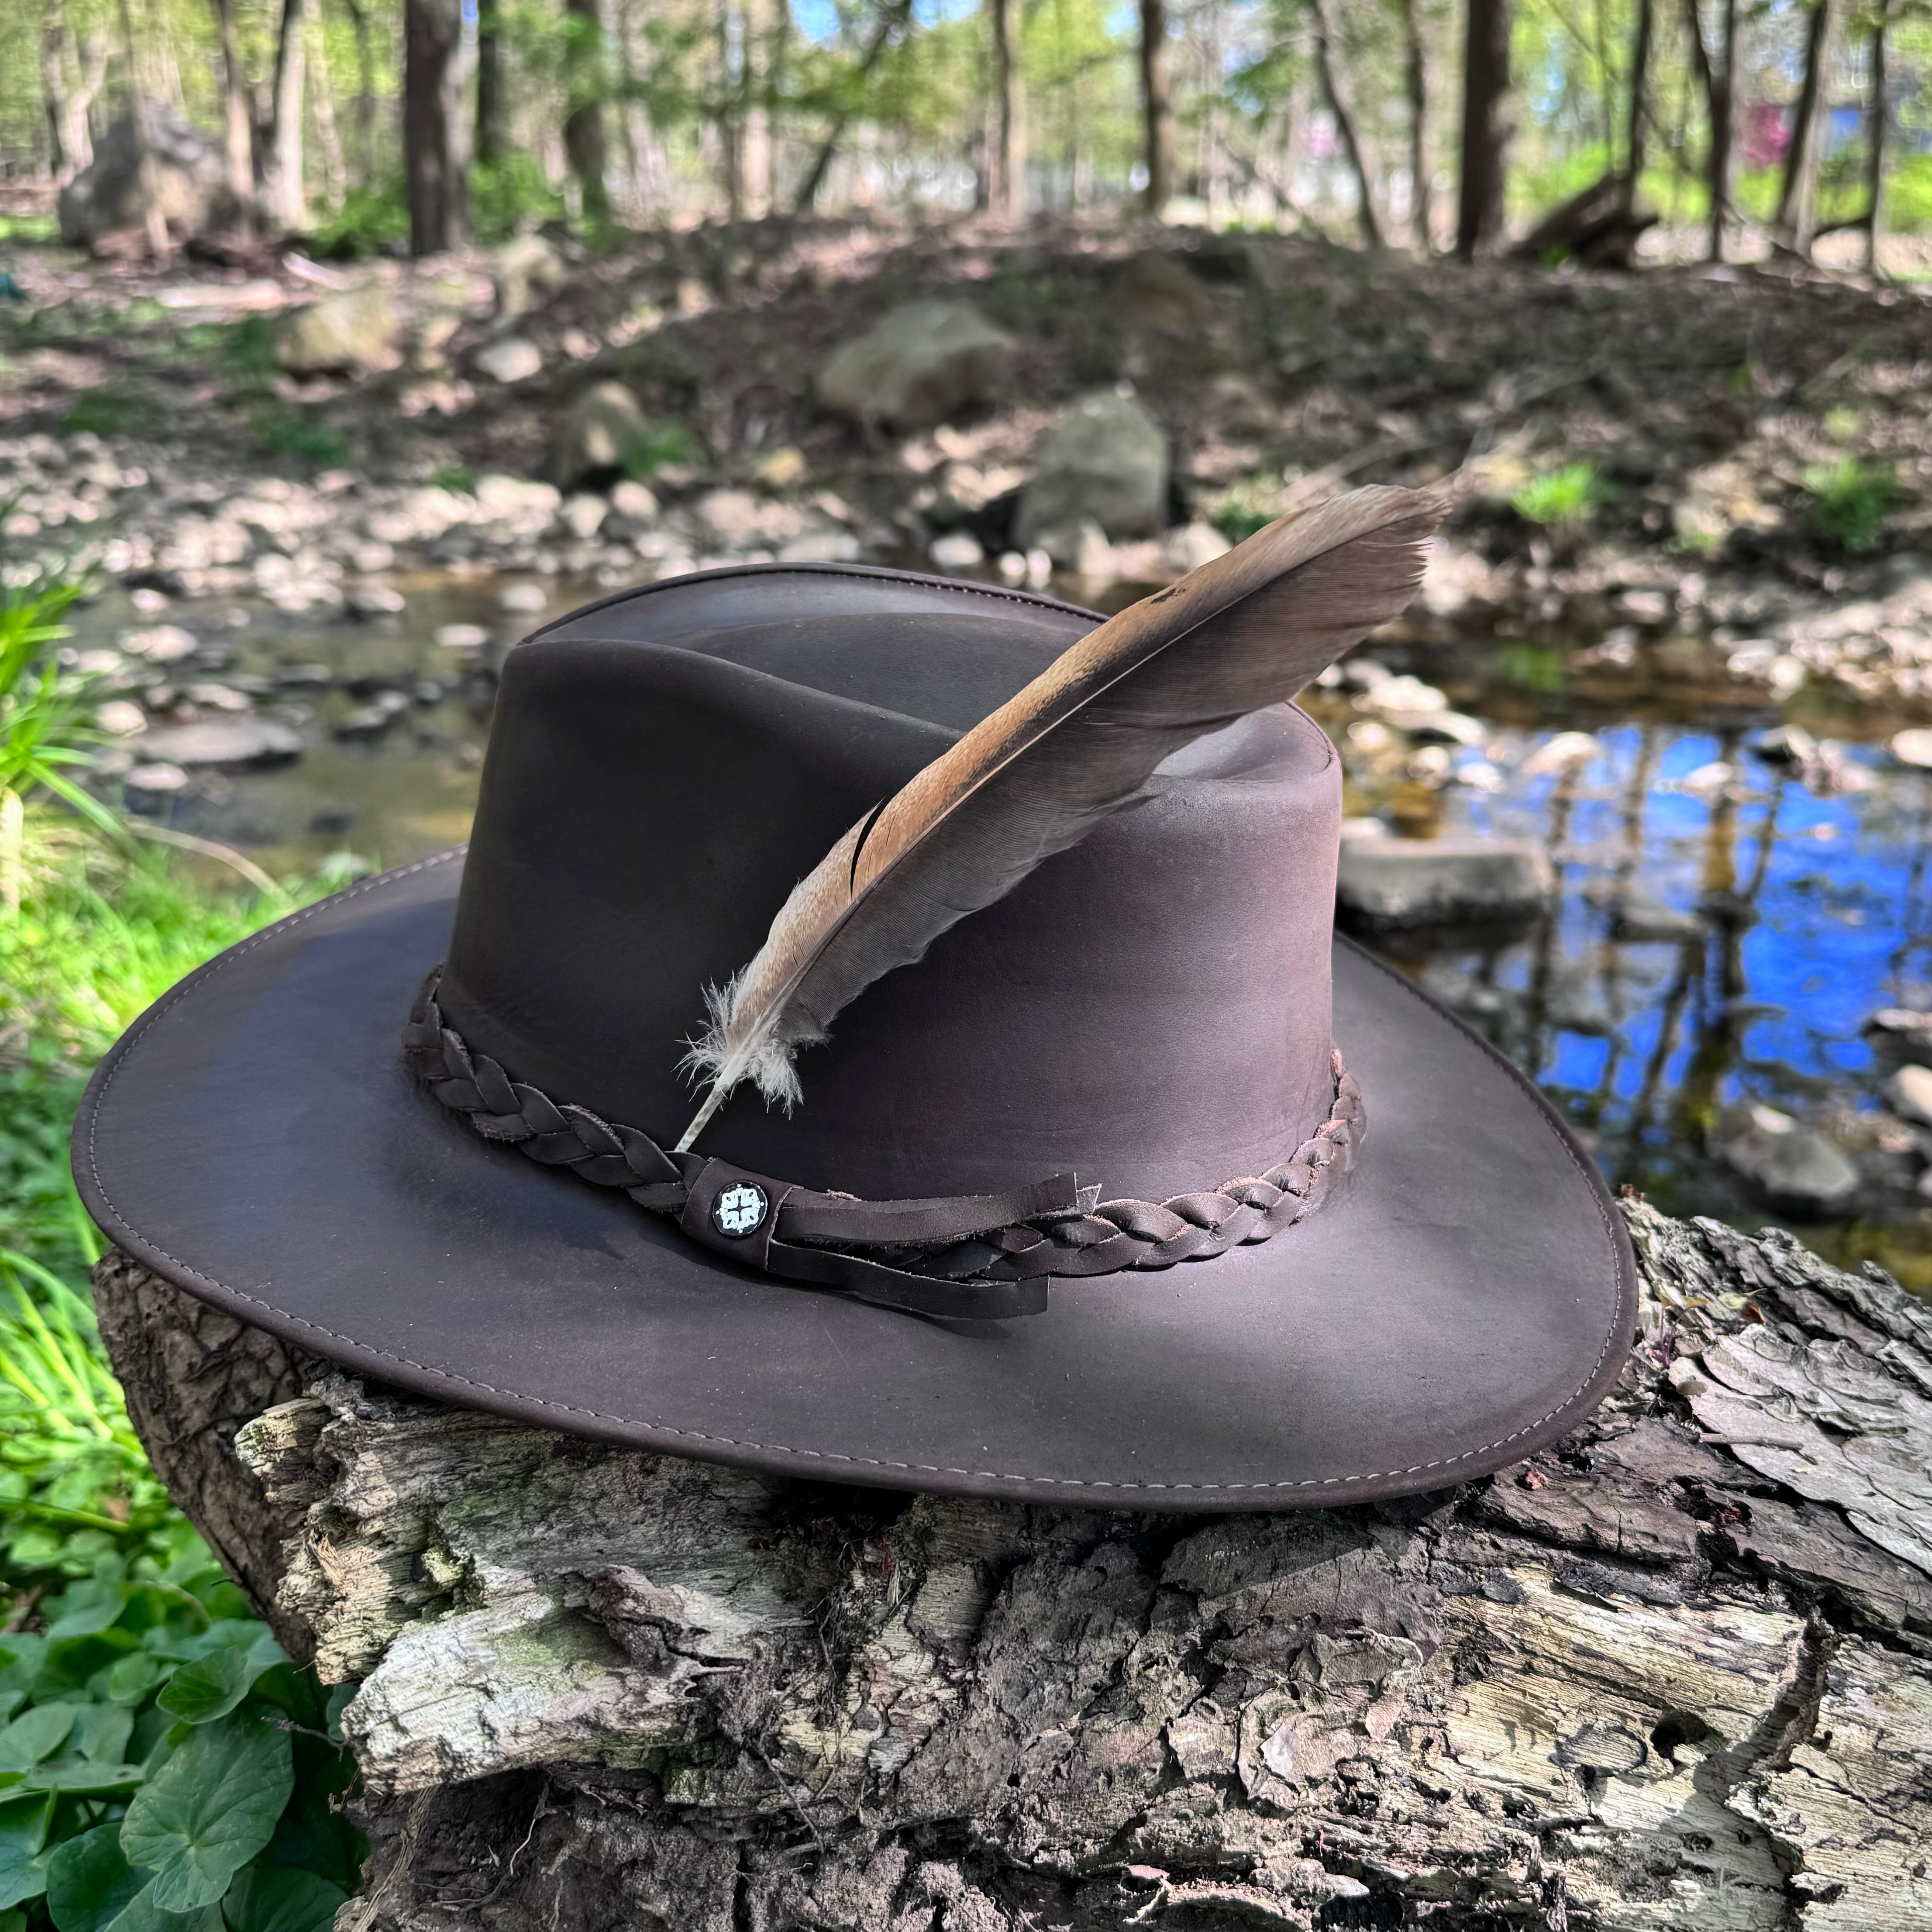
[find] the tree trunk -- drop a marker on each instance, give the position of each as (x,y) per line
(160,247)
(433,157)
(492,110)
(1345,125)
(1675,1672)
(237,126)
(328,135)
(1421,174)
(54,94)
(365,93)
(1486,129)
(1718,71)
(286,200)
(1797,199)
(1009,169)
(1638,122)
(583,123)
(1157,107)
(1878,117)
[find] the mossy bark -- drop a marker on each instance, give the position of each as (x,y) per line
(1676,1673)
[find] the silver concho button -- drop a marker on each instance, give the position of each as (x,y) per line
(740,1210)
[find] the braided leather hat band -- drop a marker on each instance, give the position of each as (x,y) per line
(986,1257)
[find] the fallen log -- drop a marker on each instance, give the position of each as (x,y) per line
(1676,1672)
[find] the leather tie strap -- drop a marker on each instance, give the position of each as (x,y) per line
(983,1257)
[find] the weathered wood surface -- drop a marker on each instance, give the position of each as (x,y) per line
(1676,1673)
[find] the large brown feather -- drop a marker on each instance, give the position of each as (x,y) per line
(1249,629)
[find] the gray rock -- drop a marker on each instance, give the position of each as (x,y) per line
(527,271)
(955,551)
(1156,290)
(341,334)
(1787,1166)
(1107,461)
(510,358)
(1909,1094)
(584,514)
(223,741)
(597,431)
(373,600)
(922,364)
(1400,882)
(1902,1033)
(186,180)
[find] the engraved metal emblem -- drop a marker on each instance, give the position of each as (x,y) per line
(740,1210)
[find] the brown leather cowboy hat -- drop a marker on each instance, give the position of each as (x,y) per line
(1079,1207)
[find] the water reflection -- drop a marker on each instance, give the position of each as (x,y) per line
(1729,919)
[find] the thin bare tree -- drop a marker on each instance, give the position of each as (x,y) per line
(583,119)
(1797,199)
(433,158)
(1485,127)
(1415,72)
(1326,67)
(1156,106)
(1637,121)
(1878,117)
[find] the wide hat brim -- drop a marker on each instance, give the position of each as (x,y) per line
(255,1139)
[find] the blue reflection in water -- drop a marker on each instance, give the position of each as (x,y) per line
(1804,914)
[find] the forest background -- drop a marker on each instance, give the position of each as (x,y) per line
(371,125)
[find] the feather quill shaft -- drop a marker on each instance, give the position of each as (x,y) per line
(1249,629)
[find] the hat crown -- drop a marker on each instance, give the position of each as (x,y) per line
(1150,1009)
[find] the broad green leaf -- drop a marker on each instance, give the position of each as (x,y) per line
(86,1609)
(34,1735)
(92,1887)
(23,1830)
(133,1677)
(89,1883)
(209,1809)
(101,1732)
(84,1774)
(20,1665)
(274,1898)
(203,1691)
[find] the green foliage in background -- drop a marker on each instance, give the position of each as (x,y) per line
(662,446)
(163,1768)
(1851,502)
(1245,507)
(1566,497)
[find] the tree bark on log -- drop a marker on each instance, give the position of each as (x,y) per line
(1676,1672)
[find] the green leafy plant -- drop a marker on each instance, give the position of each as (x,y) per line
(116,409)
(248,347)
(1851,501)
(45,728)
(1568,497)
(660,447)
(457,477)
(282,431)
(163,1767)
(1245,507)
(507,195)
(372,220)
